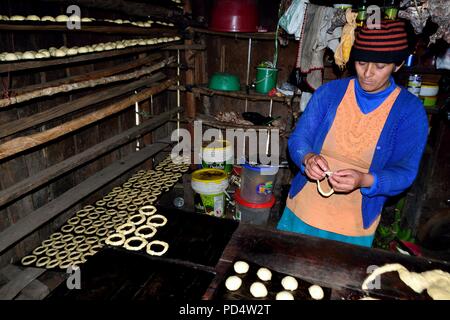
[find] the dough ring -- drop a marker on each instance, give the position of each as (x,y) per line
(126,228)
(42,262)
(156,217)
(139,231)
(116,239)
(26,261)
(53,263)
(141,245)
(40,250)
(147,210)
(323,193)
(137,219)
(67,228)
(56,236)
(157,242)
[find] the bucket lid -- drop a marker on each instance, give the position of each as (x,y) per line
(262,169)
(217,145)
(264,205)
(209,175)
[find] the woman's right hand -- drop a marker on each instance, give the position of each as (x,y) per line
(315,166)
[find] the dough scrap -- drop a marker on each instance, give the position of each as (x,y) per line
(284,295)
(258,290)
(241,267)
(233,283)
(316,292)
(289,283)
(264,274)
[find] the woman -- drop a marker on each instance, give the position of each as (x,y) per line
(363,135)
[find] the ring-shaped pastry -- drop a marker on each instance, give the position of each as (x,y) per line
(94,215)
(61,255)
(109,224)
(59,244)
(98,223)
(126,228)
(82,213)
(140,246)
(51,252)
(53,263)
(74,255)
(79,239)
(42,262)
(79,229)
(84,247)
(73,220)
(92,239)
(27,260)
(91,230)
(139,231)
(100,203)
(40,250)
(101,232)
(116,239)
(147,210)
(137,219)
(49,242)
(67,228)
(71,247)
(155,217)
(157,242)
(56,236)
(89,207)
(86,222)
(67,237)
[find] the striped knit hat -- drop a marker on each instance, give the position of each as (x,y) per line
(387,44)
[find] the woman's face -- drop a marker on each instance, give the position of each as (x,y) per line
(374,76)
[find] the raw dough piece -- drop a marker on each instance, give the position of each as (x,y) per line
(264,274)
(233,283)
(33,18)
(11,57)
(62,18)
(48,18)
(316,292)
(241,267)
(289,283)
(284,295)
(17,18)
(258,290)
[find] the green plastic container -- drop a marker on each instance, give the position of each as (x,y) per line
(266,79)
(224,81)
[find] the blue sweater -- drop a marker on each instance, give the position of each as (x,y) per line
(398,152)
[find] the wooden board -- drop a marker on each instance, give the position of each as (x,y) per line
(122,275)
(324,262)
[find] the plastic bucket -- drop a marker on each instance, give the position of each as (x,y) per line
(218,155)
(253,213)
(209,186)
(257,183)
(266,79)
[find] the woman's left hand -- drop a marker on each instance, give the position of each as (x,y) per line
(348,180)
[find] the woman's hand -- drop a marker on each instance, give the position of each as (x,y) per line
(348,180)
(315,166)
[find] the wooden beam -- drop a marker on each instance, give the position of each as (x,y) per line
(67,108)
(131,8)
(36,64)
(46,176)
(85,84)
(236,35)
(20,144)
(44,214)
(13,288)
(88,27)
(105,72)
(199,47)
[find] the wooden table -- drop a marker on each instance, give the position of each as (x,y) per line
(337,265)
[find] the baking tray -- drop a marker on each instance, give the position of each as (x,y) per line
(193,237)
(122,275)
(273,286)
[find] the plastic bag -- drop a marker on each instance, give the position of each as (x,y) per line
(292,20)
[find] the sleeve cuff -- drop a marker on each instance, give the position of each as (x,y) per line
(371,190)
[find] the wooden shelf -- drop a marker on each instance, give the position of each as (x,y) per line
(87,27)
(212,122)
(252,96)
(237,35)
(42,63)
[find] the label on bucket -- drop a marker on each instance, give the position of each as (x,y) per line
(264,188)
(218,165)
(213,205)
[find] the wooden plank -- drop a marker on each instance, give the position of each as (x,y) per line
(64,88)
(88,57)
(236,35)
(21,144)
(13,288)
(51,173)
(93,74)
(41,216)
(67,108)
(88,27)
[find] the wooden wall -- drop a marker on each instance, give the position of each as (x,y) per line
(33,161)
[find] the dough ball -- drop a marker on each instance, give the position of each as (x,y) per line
(233,283)
(258,290)
(289,283)
(62,18)
(284,295)
(33,17)
(48,18)
(241,267)
(264,274)
(11,57)
(316,292)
